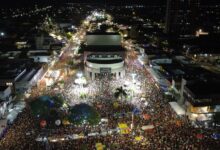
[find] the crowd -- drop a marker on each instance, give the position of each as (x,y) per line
(170,131)
(18,135)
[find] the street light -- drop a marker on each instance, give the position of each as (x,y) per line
(79,74)
(133,77)
(9,83)
(2,34)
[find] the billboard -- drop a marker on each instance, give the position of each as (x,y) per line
(103,40)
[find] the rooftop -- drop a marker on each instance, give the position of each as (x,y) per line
(40,54)
(10,69)
(177,70)
(104,48)
(106,61)
(102,33)
(2,88)
(204,93)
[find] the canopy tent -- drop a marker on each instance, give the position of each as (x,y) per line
(19,106)
(146,116)
(177,108)
(104,120)
(216,136)
(99,146)
(147,127)
(124,129)
(12,116)
(139,138)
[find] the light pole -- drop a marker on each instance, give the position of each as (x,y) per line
(133,83)
(132,121)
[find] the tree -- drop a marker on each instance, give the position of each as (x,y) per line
(39,108)
(58,101)
(84,113)
(43,106)
(120,92)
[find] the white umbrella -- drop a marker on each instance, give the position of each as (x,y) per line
(58,122)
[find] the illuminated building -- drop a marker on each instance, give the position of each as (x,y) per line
(103,55)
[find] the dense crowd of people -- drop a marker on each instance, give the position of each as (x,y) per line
(169,132)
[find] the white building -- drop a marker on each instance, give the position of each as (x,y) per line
(41,56)
(98,65)
(104,55)
(29,79)
(5,99)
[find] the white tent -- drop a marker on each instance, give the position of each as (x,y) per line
(177,108)
(19,106)
(12,116)
(147,127)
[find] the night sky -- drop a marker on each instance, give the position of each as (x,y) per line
(12,3)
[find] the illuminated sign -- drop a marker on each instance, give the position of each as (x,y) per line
(105,70)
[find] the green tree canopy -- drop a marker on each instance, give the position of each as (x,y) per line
(42,106)
(84,113)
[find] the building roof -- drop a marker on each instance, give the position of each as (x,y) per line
(2,88)
(204,93)
(104,48)
(177,70)
(11,69)
(102,33)
(205,50)
(40,54)
(106,61)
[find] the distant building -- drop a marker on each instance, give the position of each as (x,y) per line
(202,99)
(12,70)
(29,79)
(20,74)
(202,54)
(5,99)
(10,54)
(181,16)
(206,48)
(42,56)
(5,93)
(195,89)
(43,41)
(103,55)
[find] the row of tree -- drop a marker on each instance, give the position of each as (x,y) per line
(54,109)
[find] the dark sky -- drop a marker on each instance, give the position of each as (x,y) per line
(147,2)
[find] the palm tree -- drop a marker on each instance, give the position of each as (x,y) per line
(120,92)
